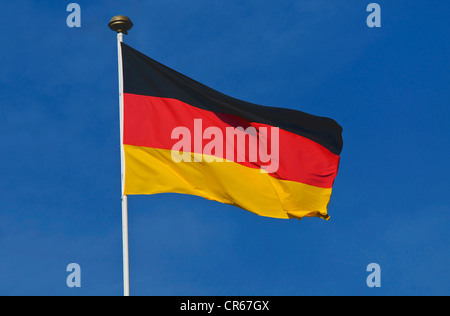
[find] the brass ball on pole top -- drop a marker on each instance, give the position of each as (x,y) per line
(120,24)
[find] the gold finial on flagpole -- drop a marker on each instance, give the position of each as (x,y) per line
(120,24)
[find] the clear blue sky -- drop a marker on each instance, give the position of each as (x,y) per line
(60,166)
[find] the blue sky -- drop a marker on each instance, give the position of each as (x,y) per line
(60,177)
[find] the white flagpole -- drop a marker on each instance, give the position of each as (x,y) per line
(121,24)
(126,261)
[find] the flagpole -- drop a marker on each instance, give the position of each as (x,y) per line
(122,24)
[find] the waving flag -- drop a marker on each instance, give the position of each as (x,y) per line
(181,136)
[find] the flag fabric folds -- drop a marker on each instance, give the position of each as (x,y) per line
(181,136)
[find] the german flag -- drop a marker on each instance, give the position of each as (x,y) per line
(181,136)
